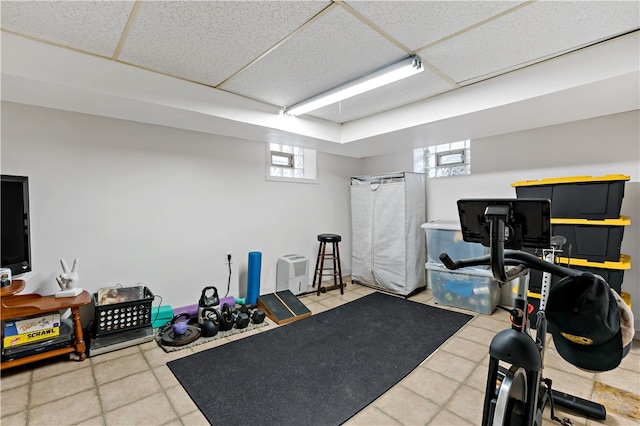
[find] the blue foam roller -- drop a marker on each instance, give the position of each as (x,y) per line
(253,276)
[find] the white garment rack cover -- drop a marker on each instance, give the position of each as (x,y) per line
(388,242)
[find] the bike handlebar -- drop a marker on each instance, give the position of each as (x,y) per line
(520,259)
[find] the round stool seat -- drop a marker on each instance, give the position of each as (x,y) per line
(329,238)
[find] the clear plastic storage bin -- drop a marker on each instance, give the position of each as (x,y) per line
(473,289)
(446,237)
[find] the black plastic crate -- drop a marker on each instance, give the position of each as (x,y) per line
(612,276)
(583,197)
(612,272)
(123,316)
(593,240)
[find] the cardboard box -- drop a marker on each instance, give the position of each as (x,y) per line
(30,337)
(12,328)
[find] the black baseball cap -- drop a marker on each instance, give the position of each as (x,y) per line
(585,322)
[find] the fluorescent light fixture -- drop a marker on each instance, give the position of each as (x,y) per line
(388,74)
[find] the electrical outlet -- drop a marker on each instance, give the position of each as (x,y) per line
(227,258)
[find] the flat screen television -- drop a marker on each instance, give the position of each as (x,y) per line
(15,231)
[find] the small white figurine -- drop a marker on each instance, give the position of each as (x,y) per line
(68,280)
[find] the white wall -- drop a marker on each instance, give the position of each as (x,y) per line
(595,147)
(151,204)
(161,206)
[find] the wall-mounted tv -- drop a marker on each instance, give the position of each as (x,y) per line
(15,231)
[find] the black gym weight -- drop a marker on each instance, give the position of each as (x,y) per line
(242,320)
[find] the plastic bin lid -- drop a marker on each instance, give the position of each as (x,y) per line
(621,221)
(624,263)
(571,179)
(533,295)
(448,225)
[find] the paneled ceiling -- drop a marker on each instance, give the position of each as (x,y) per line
(278,53)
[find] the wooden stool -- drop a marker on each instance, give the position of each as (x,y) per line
(322,256)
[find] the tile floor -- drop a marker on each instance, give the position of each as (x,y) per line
(134,386)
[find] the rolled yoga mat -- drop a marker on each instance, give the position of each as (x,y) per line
(253,276)
(192,310)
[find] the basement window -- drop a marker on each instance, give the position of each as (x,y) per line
(290,163)
(285,160)
(447,159)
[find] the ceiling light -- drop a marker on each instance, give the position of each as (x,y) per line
(388,74)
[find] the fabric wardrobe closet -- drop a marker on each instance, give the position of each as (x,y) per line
(387,212)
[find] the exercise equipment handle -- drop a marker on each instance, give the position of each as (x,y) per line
(464,263)
(518,270)
(539,264)
(512,257)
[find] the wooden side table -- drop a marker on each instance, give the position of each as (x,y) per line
(25,305)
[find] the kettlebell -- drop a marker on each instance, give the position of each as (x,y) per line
(209,328)
(226,317)
(210,314)
(208,301)
(179,323)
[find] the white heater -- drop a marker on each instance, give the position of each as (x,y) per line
(292,273)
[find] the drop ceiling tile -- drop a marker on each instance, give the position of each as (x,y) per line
(91,26)
(209,41)
(331,50)
(419,23)
(403,92)
(539,30)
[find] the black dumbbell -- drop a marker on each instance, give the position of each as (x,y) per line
(258,316)
(242,320)
(255,314)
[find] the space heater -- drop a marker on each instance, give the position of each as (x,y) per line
(292,273)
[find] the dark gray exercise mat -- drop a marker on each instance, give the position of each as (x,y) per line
(319,370)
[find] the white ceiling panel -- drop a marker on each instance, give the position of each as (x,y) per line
(207,42)
(530,34)
(403,92)
(91,26)
(331,50)
(261,55)
(419,23)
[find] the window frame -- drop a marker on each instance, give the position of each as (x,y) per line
(308,158)
(431,160)
(288,155)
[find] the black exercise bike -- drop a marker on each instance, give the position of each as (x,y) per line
(518,393)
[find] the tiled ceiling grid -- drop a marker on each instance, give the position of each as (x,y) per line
(281,52)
